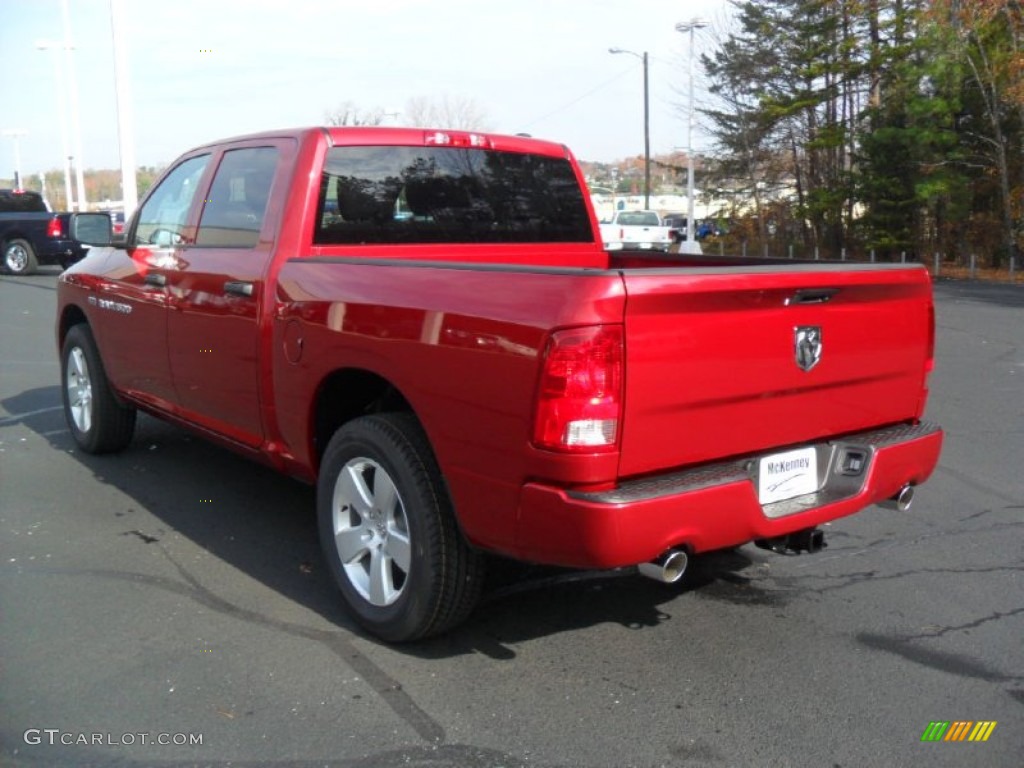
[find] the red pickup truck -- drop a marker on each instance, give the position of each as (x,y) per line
(425,324)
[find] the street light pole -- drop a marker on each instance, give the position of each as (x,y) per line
(50,45)
(16,134)
(125,122)
(690,245)
(647,126)
(76,124)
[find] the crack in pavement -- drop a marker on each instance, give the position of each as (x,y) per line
(859,577)
(876,546)
(389,689)
(940,631)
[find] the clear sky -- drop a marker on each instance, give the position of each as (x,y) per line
(208,69)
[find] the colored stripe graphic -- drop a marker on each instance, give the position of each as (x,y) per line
(958,730)
(982,730)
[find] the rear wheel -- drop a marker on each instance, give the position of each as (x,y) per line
(388,531)
(19,258)
(98,422)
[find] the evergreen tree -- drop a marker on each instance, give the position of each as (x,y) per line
(909,179)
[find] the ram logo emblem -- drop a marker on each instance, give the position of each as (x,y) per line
(807,344)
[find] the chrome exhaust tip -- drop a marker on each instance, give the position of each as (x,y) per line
(668,569)
(901,501)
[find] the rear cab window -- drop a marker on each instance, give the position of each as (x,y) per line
(21,201)
(403,195)
(639,219)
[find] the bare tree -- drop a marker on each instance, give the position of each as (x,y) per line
(992,31)
(347,113)
(458,112)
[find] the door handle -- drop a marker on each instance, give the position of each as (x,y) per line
(812,296)
(238,288)
(155,279)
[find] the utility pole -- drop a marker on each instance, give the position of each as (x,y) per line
(647,125)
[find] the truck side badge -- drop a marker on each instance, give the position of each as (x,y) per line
(807,344)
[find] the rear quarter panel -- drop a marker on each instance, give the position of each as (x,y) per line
(462,345)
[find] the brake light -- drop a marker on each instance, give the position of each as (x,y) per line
(54,228)
(929,361)
(579,401)
(456,139)
(929,364)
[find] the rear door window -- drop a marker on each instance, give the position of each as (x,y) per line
(233,215)
(404,195)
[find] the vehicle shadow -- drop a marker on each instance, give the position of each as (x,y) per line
(523,602)
(264,525)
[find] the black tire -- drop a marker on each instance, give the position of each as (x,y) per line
(19,258)
(388,531)
(98,422)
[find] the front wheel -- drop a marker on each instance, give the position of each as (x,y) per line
(388,531)
(19,258)
(98,422)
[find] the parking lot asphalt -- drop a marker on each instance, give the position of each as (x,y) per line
(175,593)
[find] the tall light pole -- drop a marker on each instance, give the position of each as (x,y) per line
(690,245)
(16,134)
(76,124)
(50,45)
(647,126)
(125,130)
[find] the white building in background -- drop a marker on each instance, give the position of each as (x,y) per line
(606,205)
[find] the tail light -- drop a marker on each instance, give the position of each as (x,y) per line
(929,365)
(54,228)
(579,402)
(929,361)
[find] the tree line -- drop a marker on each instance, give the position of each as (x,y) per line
(890,125)
(102,187)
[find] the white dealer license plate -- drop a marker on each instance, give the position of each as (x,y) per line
(785,475)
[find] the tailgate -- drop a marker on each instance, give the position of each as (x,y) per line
(644,234)
(724,361)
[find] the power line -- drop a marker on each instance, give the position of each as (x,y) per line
(591,92)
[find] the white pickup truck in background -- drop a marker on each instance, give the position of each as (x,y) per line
(636,230)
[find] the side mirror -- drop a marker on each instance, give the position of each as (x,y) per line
(91,228)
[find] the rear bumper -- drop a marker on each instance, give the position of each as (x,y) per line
(715,506)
